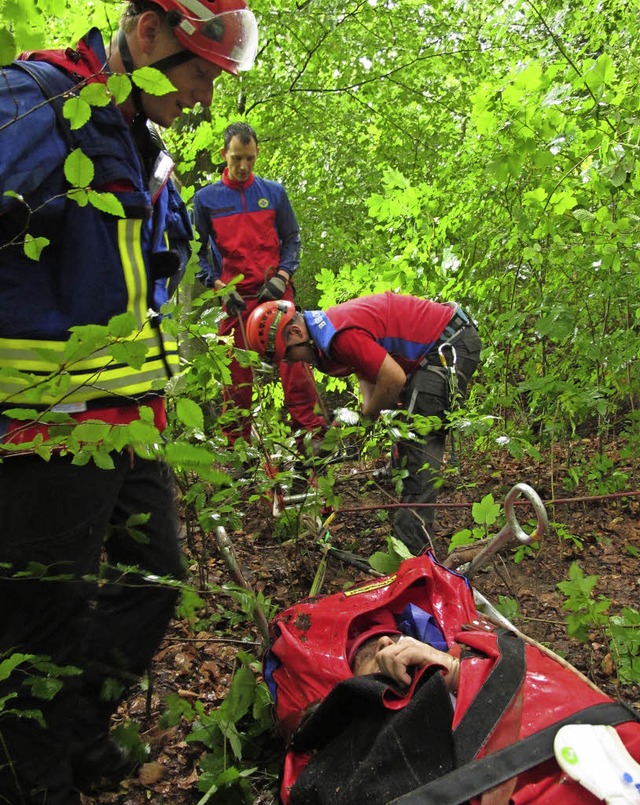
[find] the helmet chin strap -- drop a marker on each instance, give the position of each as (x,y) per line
(127,61)
(163,65)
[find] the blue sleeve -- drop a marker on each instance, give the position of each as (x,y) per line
(208,255)
(289,234)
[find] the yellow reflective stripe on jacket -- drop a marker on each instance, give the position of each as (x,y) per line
(96,376)
(129,243)
(99,374)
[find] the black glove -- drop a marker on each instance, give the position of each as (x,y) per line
(234,303)
(272,290)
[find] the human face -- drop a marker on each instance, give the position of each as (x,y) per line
(193,82)
(298,346)
(365,661)
(240,158)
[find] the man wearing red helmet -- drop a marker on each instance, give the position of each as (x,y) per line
(249,232)
(103,253)
(406,351)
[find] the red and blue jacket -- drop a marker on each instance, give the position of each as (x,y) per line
(406,327)
(246,228)
(94,265)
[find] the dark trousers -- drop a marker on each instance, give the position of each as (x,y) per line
(428,394)
(56,520)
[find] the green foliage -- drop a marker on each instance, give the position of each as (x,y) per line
(390,561)
(586,612)
(589,613)
(36,673)
(508,607)
(127,735)
(233,733)
(624,635)
(485,513)
(478,152)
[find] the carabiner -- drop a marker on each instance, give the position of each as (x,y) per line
(443,359)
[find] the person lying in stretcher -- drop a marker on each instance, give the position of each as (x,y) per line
(469,717)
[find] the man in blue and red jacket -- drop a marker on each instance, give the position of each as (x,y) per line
(405,351)
(74,257)
(249,233)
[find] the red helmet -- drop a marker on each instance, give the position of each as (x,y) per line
(224,32)
(264,329)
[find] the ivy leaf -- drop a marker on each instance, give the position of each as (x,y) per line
(119,86)
(152,81)
(106,202)
(78,169)
(33,246)
(190,413)
(76,111)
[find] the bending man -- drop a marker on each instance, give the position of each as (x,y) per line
(396,345)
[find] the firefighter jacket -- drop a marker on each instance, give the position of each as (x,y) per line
(94,264)
(246,228)
(407,327)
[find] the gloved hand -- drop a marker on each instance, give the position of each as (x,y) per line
(344,416)
(233,303)
(273,289)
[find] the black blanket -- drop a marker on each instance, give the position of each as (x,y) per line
(366,754)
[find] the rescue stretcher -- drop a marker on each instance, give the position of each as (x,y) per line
(527,727)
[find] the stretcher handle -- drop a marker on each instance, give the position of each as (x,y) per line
(512,527)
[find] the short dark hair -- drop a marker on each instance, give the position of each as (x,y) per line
(242,131)
(136,7)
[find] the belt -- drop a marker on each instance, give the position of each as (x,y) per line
(454,327)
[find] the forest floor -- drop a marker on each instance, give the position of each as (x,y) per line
(600,533)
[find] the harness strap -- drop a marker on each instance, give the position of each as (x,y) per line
(493,699)
(474,778)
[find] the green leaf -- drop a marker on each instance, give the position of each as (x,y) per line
(152,81)
(13,661)
(106,202)
(91,431)
(102,459)
(79,195)
(33,246)
(95,94)
(131,353)
(119,86)
(78,169)
(486,511)
(190,413)
(44,687)
(8,49)
(77,112)
(122,325)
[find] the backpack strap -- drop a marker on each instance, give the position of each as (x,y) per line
(54,85)
(478,776)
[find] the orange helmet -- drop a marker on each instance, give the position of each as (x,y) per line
(264,329)
(224,32)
